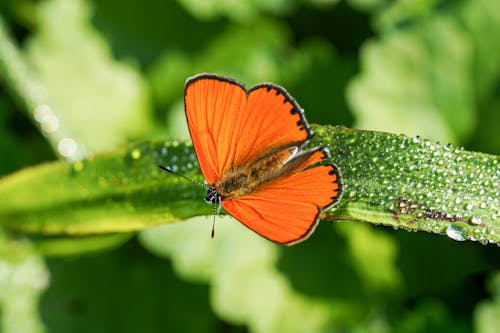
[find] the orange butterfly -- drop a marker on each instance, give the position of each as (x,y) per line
(248,147)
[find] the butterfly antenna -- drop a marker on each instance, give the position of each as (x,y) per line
(213,224)
(216,206)
(167,169)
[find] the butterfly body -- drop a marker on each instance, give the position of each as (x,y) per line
(249,147)
(247,178)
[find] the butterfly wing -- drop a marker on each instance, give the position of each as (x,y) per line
(287,210)
(230,125)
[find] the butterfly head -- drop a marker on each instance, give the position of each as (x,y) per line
(213,197)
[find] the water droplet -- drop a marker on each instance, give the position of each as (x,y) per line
(49,123)
(470,206)
(41,111)
(475,220)
(455,232)
(135,154)
(67,147)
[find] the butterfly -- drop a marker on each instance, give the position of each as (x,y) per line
(249,148)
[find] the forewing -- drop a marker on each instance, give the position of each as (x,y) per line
(230,126)
(213,107)
(275,121)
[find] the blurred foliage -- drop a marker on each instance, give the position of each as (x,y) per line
(113,72)
(23,278)
(433,72)
(97,100)
(127,290)
(487,314)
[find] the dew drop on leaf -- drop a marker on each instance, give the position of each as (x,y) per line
(475,220)
(470,206)
(67,147)
(455,232)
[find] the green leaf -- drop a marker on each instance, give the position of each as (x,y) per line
(247,288)
(430,316)
(434,66)
(417,82)
(243,10)
(21,283)
(374,255)
(389,179)
(116,192)
(73,246)
(487,313)
(96,100)
(416,184)
(480,19)
(74,91)
(126,290)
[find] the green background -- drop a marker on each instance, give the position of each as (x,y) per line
(114,73)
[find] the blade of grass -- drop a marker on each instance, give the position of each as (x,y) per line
(415,184)
(389,179)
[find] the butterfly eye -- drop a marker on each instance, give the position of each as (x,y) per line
(213,197)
